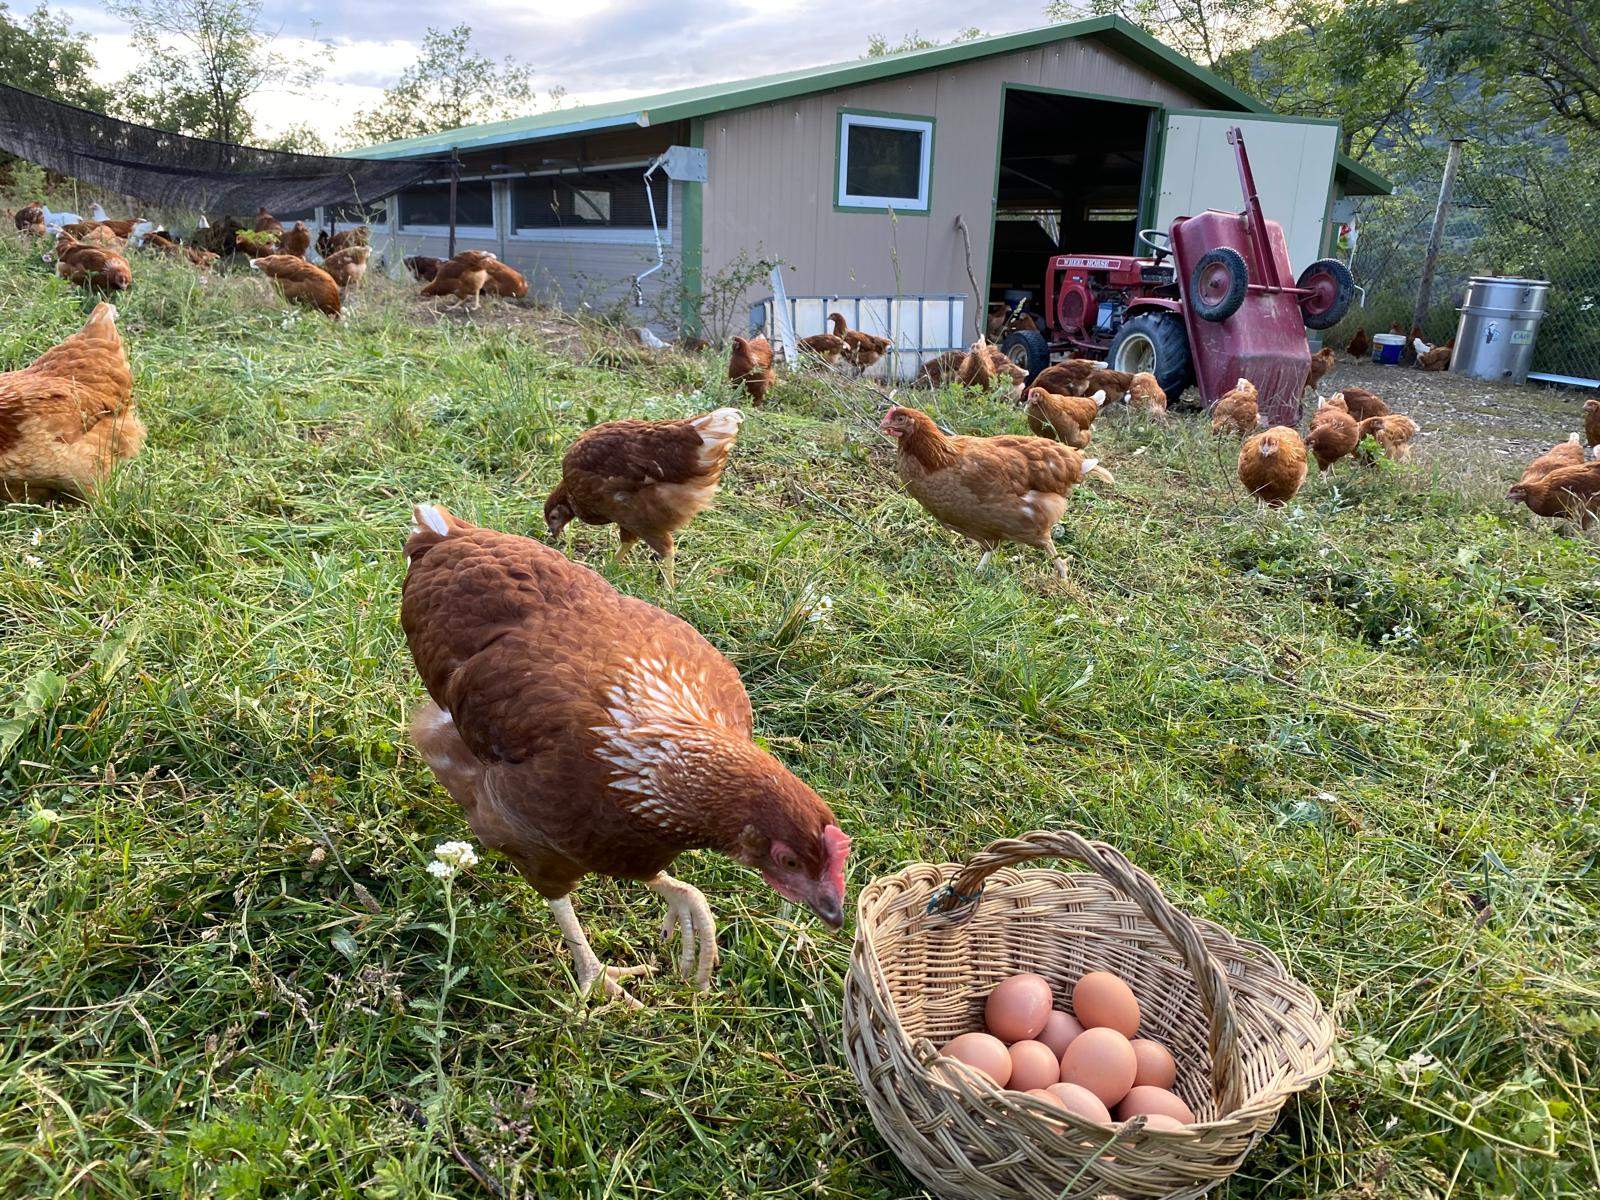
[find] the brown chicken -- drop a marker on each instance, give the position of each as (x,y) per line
(750,366)
(505,281)
(329,244)
(829,347)
(1063,418)
(348,267)
(1565,454)
(1436,358)
(1145,395)
(988,489)
(862,349)
(1272,465)
(583,731)
(1392,432)
(1080,377)
(1571,492)
(1235,411)
(424,267)
(1334,432)
(649,478)
(1321,364)
(30,219)
(91,266)
(163,243)
(301,282)
(462,278)
(1363,404)
(295,241)
(69,416)
(938,371)
(1359,345)
(1591,422)
(266,222)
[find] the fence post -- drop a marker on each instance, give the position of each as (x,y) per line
(1440,215)
(455,178)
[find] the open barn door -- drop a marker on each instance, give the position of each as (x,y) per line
(1293,163)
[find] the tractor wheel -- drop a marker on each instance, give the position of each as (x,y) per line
(1218,284)
(1028,350)
(1157,343)
(1332,288)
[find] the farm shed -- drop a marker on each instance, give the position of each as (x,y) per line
(1070,137)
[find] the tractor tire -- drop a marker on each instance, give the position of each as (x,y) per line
(1157,343)
(1218,283)
(1028,350)
(1333,287)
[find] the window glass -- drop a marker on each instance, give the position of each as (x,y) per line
(590,200)
(884,162)
(430,204)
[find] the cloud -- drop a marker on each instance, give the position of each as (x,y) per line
(595,49)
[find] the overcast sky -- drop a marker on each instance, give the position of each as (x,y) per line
(596,49)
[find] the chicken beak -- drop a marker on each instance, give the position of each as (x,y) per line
(827,904)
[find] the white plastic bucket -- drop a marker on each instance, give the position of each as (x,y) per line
(1386,348)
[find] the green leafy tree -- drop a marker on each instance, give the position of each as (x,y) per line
(878,45)
(40,53)
(449,85)
(201,63)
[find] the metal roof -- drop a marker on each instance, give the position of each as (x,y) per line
(1114,32)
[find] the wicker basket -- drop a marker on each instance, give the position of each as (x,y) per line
(932,941)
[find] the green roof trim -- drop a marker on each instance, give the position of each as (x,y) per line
(1116,33)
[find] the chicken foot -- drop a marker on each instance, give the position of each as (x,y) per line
(590,969)
(690,917)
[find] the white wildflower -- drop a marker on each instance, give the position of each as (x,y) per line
(38,536)
(32,560)
(451,857)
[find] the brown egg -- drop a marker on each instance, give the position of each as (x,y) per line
(1156,1067)
(982,1053)
(1100,999)
(1101,1060)
(1082,1101)
(1016,1010)
(1033,1066)
(1162,1121)
(1047,1097)
(1154,1101)
(1059,1030)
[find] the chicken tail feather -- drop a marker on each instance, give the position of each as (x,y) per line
(429,517)
(718,424)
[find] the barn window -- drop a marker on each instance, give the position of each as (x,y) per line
(426,208)
(884,162)
(590,205)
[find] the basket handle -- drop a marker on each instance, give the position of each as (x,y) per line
(1104,860)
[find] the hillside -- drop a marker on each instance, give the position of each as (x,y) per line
(1361,731)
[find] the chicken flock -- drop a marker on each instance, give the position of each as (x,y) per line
(582,731)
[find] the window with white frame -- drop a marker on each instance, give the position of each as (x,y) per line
(884,162)
(591,205)
(426,207)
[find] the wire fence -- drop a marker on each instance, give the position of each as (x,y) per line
(1531,211)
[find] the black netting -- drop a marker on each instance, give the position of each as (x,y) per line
(171,170)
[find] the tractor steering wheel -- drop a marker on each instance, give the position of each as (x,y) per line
(1163,247)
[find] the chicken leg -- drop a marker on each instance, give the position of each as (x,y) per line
(590,969)
(690,917)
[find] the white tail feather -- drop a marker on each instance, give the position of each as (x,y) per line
(1420,346)
(1090,464)
(1099,398)
(717,424)
(1573,438)
(428,515)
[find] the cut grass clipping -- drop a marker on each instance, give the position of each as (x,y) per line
(1362,731)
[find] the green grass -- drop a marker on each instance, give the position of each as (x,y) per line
(1362,731)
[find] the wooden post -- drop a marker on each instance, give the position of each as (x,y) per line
(1440,215)
(455,180)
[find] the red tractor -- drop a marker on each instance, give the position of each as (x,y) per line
(1221,309)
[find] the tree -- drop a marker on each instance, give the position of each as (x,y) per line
(1208,31)
(201,63)
(40,53)
(447,87)
(878,45)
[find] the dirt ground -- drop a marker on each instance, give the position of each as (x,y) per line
(1488,428)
